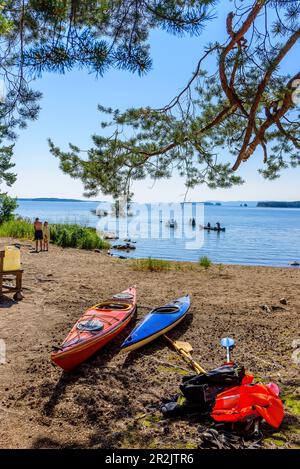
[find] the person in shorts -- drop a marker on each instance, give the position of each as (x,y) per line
(38,234)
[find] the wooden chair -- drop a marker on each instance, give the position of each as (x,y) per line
(10,275)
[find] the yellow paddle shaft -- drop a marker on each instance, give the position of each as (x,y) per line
(186,356)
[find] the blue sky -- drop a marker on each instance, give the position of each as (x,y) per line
(69,114)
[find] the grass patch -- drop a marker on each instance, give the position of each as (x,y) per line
(63,235)
(151,420)
(293,404)
(167,369)
(205,262)
(153,265)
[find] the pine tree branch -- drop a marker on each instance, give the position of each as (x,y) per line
(246,149)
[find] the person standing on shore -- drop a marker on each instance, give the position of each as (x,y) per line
(38,234)
(46,236)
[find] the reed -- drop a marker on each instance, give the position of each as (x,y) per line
(205,262)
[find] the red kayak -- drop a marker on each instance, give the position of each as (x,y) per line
(96,327)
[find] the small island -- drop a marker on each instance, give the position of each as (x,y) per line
(271,204)
(210,204)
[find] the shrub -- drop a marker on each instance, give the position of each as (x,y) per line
(53,233)
(102,243)
(61,234)
(17,229)
(205,262)
(88,242)
(153,265)
(64,239)
(74,239)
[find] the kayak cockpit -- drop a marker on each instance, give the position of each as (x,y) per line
(111,306)
(166,310)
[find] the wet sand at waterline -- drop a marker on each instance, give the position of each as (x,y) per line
(112,400)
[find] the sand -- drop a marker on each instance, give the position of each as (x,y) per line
(112,400)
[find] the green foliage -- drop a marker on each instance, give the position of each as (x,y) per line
(205,262)
(21,229)
(98,35)
(59,35)
(63,235)
(76,236)
(40,36)
(7,207)
(153,265)
(292,403)
(64,238)
(244,105)
(6,154)
(5,24)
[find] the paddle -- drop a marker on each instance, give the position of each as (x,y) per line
(184,349)
(229,344)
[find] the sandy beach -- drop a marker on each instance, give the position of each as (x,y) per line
(112,400)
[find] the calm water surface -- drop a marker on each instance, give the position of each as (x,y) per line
(254,236)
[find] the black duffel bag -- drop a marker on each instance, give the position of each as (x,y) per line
(198,392)
(204,388)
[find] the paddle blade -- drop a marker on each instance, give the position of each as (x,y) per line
(185,346)
(227,342)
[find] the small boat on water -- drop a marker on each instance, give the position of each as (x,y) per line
(213,228)
(157,322)
(171,223)
(96,327)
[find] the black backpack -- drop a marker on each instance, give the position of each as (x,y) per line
(204,388)
(198,392)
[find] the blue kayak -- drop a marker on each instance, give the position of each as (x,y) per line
(157,322)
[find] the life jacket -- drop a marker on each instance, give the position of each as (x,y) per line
(249,400)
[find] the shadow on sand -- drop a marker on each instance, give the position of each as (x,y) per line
(89,370)
(95,383)
(6,302)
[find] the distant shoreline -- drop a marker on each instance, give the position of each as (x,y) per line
(259,204)
(53,199)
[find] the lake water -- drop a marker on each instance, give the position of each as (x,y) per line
(254,236)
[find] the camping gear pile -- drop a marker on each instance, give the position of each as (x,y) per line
(226,395)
